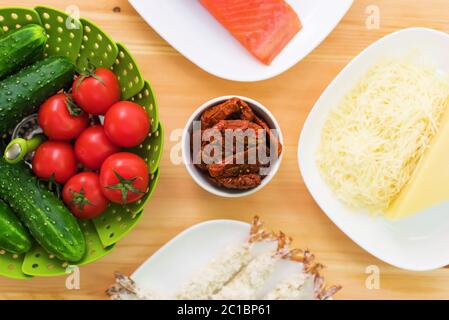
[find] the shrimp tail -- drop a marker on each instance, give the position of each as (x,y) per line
(321,291)
(257,233)
(123,286)
(284,242)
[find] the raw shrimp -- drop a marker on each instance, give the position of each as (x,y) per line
(248,282)
(241,273)
(218,272)
(307,285)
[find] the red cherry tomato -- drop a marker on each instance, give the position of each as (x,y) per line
(83,195)
(55,159)
(124,177)
(61,119)
(126,124)
(93,147)
(96,91)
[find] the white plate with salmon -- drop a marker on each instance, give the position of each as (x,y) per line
(243,40)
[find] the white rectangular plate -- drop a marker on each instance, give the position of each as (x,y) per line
(416,243)
(191,30)
(173,265)
(178,260)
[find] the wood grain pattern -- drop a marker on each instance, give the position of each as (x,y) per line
(285,203)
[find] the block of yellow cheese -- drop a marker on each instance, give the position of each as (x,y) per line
(429,185)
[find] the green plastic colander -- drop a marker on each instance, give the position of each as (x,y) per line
(83,42)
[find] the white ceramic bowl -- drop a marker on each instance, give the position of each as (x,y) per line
(199,177)
(415,243)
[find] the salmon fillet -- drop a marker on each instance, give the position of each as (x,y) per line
(264,27)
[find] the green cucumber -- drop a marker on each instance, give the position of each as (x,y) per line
(14,238)
(48,220)
(20,48)
(22,94)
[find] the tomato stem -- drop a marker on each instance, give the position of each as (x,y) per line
(89,72)
(72,107)
(125,186)
(79,199)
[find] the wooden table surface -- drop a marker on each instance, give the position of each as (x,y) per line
(285,203)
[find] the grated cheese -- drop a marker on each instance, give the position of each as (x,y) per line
(373,140)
